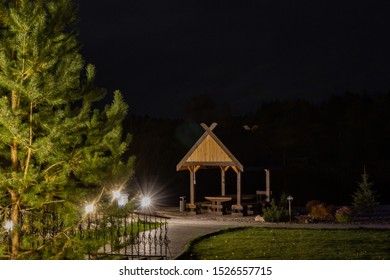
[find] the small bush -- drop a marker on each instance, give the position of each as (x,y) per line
(344,215)
(311,204)
(319,210)
(364,199)
(276,213)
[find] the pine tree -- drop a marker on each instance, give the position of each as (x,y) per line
(55,148)
(364,199)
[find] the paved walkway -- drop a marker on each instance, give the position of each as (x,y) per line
(183,228)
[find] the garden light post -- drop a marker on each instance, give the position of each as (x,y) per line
(289,198)
(123,200)
(116,196)
(88,211)
(145,203)
(8,225)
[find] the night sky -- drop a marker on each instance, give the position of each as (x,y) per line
(160,54)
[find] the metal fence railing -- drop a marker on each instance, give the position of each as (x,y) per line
(98,236)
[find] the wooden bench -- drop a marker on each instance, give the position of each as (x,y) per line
(205,207)
(249,209)
(192,208)
(237,210)
(243,209)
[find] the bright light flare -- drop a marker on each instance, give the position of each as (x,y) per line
(89,208)
(145,202)
(116,194)
(123,200)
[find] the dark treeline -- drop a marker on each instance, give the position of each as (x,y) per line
(314,151)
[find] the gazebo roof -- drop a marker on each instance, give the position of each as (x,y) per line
(209,151)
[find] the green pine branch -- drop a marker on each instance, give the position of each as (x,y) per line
(55,146)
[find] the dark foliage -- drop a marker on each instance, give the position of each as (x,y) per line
(314,151)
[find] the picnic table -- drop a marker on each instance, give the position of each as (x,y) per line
(217,206)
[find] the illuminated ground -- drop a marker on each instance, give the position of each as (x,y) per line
(183,228)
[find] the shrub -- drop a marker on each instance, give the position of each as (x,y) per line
(344,215)
(276,213)
(311,204)
(364,199)
(321,212)
(283,199)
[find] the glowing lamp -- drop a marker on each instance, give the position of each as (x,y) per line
(8,225)
(123,200)
(89,208)
(145,202)
(116,194)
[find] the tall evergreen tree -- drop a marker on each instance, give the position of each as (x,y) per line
(55,148)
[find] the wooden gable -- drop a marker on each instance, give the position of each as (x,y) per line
(209,151)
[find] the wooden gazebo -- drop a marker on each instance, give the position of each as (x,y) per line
(209,151)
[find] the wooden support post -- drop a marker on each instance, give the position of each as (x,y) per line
(191,206)
(267,185)
(192,187)
(237,209)
(223,184)
(239,188)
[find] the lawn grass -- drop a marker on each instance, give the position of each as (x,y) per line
(291,244)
